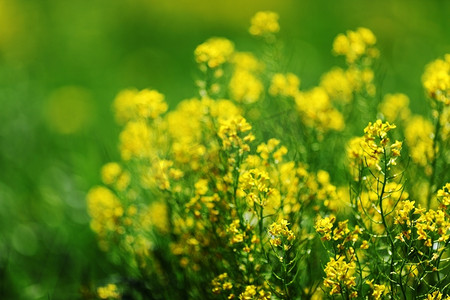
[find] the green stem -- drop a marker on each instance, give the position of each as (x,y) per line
(386,227)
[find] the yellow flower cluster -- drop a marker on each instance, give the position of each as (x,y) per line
(338,85)
(196,205)
(108,292)
(418,136)
(222,283)
(395,107)
(286,85)
(136,105)
(280,234)
(444,195)
(324,226)
(341,233)
(105,210)
(254,293)
(264,23)
(317,112)
(431,226)
(231,132)
(356,44)
(254,185)
(437,296)
(245,86)
(113,175)
(265,150)
(376,139)
(340,275)
(404,209)
(368,150)
(379,290)
(214,52)
(436,80)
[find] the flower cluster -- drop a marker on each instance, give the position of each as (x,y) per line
(231,195)
(436,80)
(340,276)
(264,23)
(356,44)
(214,52)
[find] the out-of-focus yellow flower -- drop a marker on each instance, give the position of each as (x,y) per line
(214,52)
(245,87)
(263,23)
(105,210)
(135,105)
(284,85)
(112,174)
(135,140)
(246,61)
(436,79)
(355,44)
(109,291)
(395,107)
(316,110)
(338,85)
(418,136)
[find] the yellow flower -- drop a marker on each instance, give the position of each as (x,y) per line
(378,291)
(444,195)
(317,112)
(221,283)
(286,85)
(135,140)
(436,79)
(280,233)
(263,23)
(395,107)
(253,293)
(355,44)
(324,226)
(231,131)
(246,61)
(365,245)
(339,273)
(134,105)
(110,172)
(338,85)
(214,52)
(108,292)
(418,136)
(105,210)
(245,87)
(404,208)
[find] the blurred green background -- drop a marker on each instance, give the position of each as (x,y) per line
(63,62)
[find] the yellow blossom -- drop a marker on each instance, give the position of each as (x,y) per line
(214,52)
(436,80)
(355,44)
(263,23)
(108,292)
(280,233)
(245,87)
(418,136)
(395,107)
(286,85)
(339,274)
